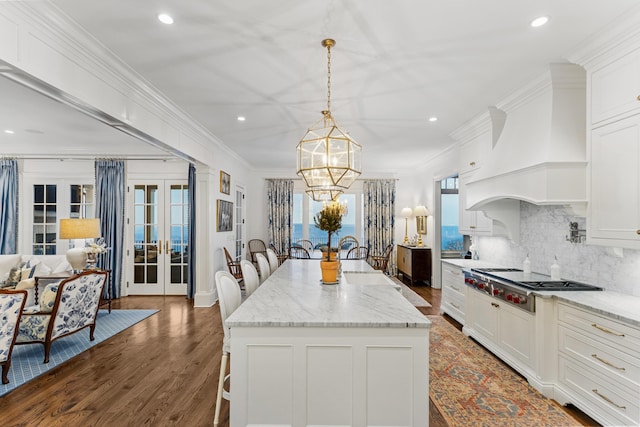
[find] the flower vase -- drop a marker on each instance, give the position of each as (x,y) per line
(329,272)
(92,259)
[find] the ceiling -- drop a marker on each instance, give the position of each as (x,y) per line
(395,64)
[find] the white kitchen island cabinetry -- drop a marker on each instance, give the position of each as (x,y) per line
(599,365)
(307,354)
(453,292)
(508,332)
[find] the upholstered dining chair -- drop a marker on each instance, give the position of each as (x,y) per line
(281,257)
(358,252)
(256,246)
(11,306)
(65,308)
(381,262)
(273,260)
(297,252)
(263,266)
(229,298)
(251,279)
(233,266)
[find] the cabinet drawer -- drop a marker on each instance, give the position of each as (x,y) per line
(607,402)
(453,305)
(601,328)
(454,288)
(617,365)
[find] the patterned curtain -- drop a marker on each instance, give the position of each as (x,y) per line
(110,190)
(8,206)
(379,214)
(280,197)
(191,237)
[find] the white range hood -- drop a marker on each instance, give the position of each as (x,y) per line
(539,155)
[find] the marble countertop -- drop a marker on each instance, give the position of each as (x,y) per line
(469,263)
(294,297)
(613,304)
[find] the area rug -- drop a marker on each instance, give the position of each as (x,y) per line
(472,388)
(410,295)
(26,360)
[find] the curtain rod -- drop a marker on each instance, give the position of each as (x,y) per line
(63,158)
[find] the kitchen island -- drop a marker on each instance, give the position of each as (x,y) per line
(303,353)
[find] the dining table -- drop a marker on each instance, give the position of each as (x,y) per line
(304,353)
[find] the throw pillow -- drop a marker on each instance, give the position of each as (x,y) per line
(48,298)
(28,285)
(42,269)
(62,267)
(15,275)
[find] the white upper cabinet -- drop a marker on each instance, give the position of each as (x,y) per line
(472,223)
(615,89)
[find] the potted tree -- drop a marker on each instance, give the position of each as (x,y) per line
(329,219)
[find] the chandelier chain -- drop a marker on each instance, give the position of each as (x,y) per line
(329,77)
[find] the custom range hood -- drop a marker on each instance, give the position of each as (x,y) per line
(538,151)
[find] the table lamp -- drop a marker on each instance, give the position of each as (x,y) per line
(421,213)
(406,213)
(79,229)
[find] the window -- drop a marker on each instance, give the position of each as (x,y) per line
(49,206)
(304,209)
(451,240)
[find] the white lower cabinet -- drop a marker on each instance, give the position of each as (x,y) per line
(453,292)
(506,331)
(599,366)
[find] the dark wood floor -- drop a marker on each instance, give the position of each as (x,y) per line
(161,372)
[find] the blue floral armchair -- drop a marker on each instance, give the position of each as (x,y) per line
(11,306)
(74,308)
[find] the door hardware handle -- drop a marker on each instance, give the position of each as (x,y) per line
(166,247)
(608,331)
(159,247)
(595,390)
(606,362)
(495,305)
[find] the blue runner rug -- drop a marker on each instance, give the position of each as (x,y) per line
(26,360)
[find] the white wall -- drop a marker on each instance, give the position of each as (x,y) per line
(543,232)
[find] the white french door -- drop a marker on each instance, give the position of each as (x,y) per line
(157,226)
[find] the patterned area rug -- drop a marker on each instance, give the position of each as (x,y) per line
(26,360)
(472,388)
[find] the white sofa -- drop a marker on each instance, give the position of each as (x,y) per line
(31,266)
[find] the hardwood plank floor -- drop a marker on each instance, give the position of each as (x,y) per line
(162,371)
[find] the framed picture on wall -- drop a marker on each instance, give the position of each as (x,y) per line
(225,183)
(225,216)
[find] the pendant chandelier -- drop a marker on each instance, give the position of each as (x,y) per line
(329,161)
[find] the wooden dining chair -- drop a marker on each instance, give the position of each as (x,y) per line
(273,260)
(233,266)
(346,243)
(281,257)
(297,252)
(358,252)
(306,244)
(381,262)
(256,246)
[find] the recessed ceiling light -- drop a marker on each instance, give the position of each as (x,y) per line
(9,131)
(540,21)
(241,118)
(433,119)
(165,18)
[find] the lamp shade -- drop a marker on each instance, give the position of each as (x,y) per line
(79,228)
(406,212)
(421,211)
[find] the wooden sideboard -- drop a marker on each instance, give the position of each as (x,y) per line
(414,262)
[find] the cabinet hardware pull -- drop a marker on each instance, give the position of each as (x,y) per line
(166,247)
(495,305)
(595,356)
(159,247)
(455,289)
(637,231)
(455,306)
(595,325)
(595,390)
(472,226)
(638,97)
(472,163)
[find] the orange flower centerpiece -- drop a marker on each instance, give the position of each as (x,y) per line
(329,219)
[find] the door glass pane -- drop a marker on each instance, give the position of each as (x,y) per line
(146,250)
(179,224)
(44,219)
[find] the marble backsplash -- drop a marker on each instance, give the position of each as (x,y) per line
(543,235)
